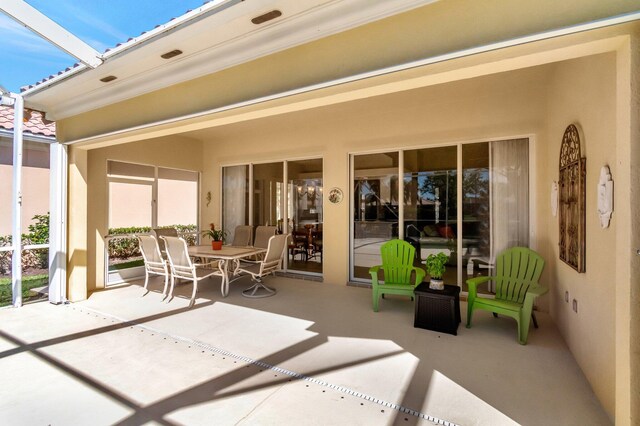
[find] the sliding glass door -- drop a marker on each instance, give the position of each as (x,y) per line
(284,194)
(235,198)
(305,215)
(268,191)
(471,221)
(430,204)
(375,209)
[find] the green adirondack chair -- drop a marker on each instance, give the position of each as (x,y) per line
(397,266)
(518,270)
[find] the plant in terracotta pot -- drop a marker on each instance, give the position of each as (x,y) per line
(217,236)
(435,265)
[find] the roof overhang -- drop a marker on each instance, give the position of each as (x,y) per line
(527,51)
(209,43)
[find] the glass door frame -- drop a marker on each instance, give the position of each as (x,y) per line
(459,200)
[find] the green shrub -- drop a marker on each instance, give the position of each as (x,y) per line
(38,234)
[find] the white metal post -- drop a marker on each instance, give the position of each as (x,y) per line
(16,203)
(58,224)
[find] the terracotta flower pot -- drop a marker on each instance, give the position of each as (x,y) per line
(216,245)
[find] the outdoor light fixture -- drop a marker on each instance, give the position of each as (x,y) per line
(171,54)
(266,17)
(108,78)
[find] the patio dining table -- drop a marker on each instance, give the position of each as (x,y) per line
(226,255)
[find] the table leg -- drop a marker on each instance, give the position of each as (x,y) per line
(224,268)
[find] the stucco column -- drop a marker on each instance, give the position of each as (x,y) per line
(336,219)
(77,225)
(634,232)
(627,212)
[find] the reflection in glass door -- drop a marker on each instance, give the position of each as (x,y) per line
(470,221)
(305,215)
(268,197)
(476,212)
(430,204)
(375,209)
(235,199)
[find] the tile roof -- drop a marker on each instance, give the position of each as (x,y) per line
(34,126)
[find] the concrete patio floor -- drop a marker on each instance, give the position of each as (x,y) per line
(313,354)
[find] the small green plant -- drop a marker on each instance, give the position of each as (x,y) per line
(214,234)
(435,265)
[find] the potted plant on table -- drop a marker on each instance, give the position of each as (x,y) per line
(216,235)
(435,265)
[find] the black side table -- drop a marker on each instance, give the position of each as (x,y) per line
(437,310)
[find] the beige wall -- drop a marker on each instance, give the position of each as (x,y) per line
(583,92)
(174,152)
(35,183)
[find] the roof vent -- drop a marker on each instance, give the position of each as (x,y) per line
(108,78)
(266,17)
(171,54)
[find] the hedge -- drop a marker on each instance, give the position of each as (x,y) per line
(122,246)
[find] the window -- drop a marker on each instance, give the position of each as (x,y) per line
(143,197)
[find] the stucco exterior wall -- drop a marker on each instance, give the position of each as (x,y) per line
(583,92)
(499,106)
(35,183)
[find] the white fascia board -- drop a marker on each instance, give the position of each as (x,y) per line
(39,23)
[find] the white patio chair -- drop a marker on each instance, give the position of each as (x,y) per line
(272,262)
(242,236)
(263,234)
(154,263)
(182,267)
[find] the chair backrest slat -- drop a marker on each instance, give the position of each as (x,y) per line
(516,269)
(242,236)
(397,261)
(263,234)
(164,232)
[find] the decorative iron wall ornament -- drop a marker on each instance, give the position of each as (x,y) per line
(572,212)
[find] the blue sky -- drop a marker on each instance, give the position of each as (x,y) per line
(26,58)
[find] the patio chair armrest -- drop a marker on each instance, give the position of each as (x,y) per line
(473,284)
(420,274)
(374,273)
